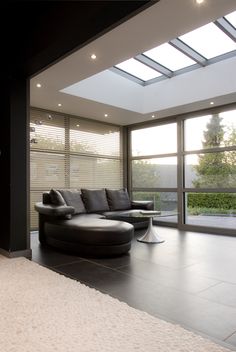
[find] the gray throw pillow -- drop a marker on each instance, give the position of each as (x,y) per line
(118,199)
(56,197)
(95,200)
(73,197)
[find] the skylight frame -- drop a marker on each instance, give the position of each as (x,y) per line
(221,24)
(136,73)
(169,57)
(208,48)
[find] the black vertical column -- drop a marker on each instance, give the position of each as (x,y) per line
(14,234)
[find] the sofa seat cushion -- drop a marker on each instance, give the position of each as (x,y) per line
(95,200)
(98,232)
(72,197)
(118,199)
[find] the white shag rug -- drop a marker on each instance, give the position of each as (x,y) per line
(42,311)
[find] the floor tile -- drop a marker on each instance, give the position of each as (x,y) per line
(115,262)
(222,271)
(50,257)
(163,275)
(223,293)
(95,275)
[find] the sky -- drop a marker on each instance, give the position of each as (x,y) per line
(163,139)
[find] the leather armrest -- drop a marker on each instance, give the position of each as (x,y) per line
(54,210)
(142,204)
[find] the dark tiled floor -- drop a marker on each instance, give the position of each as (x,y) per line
(189,279)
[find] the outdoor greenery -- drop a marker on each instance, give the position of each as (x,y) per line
(144,174)
(208,201)
(215,170)
(162,200)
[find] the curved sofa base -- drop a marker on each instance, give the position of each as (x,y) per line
(89,250)
(87,235)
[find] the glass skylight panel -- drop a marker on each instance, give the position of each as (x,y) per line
(168,56)
(209,41)
(231,17)
(138,69)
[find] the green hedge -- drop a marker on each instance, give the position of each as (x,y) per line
(212,200)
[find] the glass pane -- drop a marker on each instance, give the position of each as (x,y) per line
(211,209)
(138,69)
(86,172)
(210,131)
(153,173)
(47,131)
(35,197)
(154,140)
(166,202)
(209,41)
(211,170)
(94,138)
(169,57)
(47,170)
(231,17)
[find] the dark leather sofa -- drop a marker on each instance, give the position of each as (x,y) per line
(89,222)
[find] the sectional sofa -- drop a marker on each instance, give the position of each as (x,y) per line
(88,222)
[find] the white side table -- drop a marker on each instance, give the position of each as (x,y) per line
(150,235)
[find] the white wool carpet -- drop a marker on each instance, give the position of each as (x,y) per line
(42,311)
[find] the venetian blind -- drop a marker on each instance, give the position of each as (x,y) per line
(47,156)
(69,152)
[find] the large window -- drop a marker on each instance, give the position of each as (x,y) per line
(154,167)
(69,152)
(191,173)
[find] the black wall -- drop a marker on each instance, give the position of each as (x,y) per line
(34,35)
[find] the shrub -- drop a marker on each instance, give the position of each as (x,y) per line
(212,200)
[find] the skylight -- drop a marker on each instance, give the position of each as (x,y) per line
(232,18)
(209,41)
(169,57)
(201,47)
(138,69)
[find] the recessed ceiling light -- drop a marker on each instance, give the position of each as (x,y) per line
(199,2)
(93,57)
(77,125)
(38,85)
(153,116)
(212,103)
(59,104)
(106,115)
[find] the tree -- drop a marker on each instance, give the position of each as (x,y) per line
(145,174)
(231,156)
(213,170)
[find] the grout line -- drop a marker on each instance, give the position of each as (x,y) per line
(229,336)
(73,262)
(213,285)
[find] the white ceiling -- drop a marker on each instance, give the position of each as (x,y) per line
(130,103)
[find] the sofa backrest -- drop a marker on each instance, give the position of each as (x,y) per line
(95,200)
(118,199)
(89,200)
